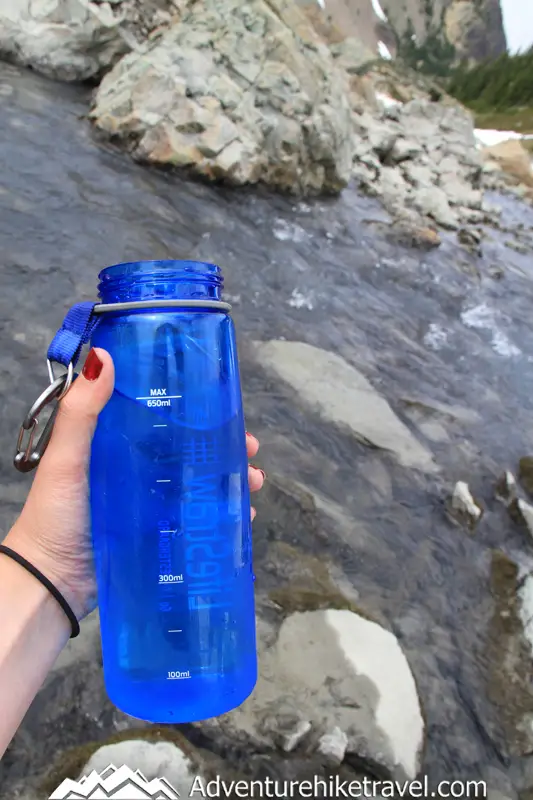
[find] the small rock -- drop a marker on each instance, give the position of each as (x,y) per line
(525,473)
(434,203)
(418,236)
(496,273)
(513,159)
(419,176)
(391,187)
(471,237)
(518,247)
(463,508)
(521,512)
(292,740)
(332,747)
(505,489)
(404,150)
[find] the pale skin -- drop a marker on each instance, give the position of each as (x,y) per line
(52,533)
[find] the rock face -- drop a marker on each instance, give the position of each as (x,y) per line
(237,92)
(473,27)
(345,397)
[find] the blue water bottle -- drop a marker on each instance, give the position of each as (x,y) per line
(170,504)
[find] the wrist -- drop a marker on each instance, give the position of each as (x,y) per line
(35,605)
(33,551)
(34,631)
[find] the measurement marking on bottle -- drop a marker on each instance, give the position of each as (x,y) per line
(158,398)
(174,531)
(163,480)
(176,675)
(159,426)
(170,578)
(168,397)
(175,630)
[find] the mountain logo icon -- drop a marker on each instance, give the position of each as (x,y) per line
(115,783)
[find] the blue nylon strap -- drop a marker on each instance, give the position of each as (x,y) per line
(75,331)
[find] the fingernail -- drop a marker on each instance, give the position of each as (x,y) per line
(249,435)
(92,367)
(253,513)
(262,471)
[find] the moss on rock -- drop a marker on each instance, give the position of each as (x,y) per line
(525,473)
(509,658)
(71,762)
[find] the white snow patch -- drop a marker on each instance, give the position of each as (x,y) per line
(378,11)
(436,337)
(488,137)
(387,101)
(384,51)
(482,317)
(288,231)
(299,300)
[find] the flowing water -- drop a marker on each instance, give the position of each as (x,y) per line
(444,327)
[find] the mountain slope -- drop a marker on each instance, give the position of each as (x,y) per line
(473,27)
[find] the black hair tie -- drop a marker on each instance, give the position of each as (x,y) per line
(75,625)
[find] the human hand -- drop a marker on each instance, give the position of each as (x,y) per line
(52,531)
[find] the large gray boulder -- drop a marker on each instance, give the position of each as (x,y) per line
(66,39)
(343,681)
(240,92)
(76,40)
(342,395)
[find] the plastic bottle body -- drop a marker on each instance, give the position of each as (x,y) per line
(170,512)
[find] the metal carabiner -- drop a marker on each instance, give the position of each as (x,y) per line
(28,458)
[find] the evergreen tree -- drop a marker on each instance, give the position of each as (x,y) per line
(499,85)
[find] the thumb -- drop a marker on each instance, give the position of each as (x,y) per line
(69,446)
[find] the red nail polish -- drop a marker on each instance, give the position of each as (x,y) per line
(92,367)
